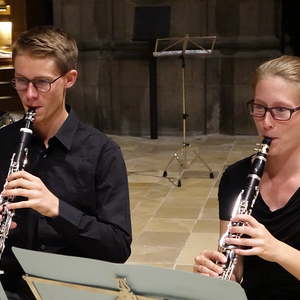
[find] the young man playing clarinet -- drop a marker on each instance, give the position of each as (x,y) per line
(73,194)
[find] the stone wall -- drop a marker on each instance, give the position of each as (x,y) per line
(113,88)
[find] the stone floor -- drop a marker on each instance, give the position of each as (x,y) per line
(172,224)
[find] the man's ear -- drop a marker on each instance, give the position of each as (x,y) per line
(71,77)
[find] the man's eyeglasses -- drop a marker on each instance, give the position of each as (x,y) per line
(42,85)
(278,113)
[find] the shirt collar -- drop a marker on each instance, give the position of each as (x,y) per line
(67,131)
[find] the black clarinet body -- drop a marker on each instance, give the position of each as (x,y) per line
(17,163)
(244,205)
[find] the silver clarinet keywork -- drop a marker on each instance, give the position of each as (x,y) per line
(243,205)
(17,163)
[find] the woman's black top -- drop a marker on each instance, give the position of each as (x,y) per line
(263,279)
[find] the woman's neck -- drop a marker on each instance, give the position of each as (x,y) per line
(284,166)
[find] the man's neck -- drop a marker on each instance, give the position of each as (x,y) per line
(49,128)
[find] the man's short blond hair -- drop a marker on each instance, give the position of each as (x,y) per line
(48,41)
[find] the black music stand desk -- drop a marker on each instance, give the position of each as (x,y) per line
(52,276)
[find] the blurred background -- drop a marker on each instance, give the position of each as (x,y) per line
(124,90)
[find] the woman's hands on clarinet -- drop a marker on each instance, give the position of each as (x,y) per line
(205,263)
(38,196)
(254,239)
(209,262)
(258,240)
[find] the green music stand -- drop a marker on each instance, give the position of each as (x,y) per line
(2,293)
(59,277)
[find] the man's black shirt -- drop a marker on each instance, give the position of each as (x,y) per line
(85,170)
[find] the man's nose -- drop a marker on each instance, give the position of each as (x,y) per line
(31,91)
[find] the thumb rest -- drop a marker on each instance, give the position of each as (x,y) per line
(18,162)
(243,205)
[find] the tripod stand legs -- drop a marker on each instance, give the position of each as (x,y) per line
(211,174)
(180,162)
(181,157)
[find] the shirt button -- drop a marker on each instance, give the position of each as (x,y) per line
(44,155)
(43,247)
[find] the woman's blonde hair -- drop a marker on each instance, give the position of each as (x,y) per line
(48,41)
(286,67)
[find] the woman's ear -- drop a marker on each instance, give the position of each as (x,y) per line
(71,77)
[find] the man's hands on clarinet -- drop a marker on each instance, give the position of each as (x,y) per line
(39,198)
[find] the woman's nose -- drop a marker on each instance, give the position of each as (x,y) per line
(268,121)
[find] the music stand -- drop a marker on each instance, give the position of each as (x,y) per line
(60,277)
(182,47)
(2,293)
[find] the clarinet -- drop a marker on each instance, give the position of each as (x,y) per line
(17,163)
(244,205)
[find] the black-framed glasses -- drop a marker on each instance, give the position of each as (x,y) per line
(279,113)
(42,85)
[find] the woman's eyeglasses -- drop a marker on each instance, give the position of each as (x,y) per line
(278,113)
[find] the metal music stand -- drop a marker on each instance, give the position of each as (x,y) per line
(182,47)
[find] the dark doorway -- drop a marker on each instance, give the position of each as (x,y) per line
(39,12)
(290,27)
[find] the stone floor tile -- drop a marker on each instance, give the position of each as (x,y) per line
(172,224)
(178,212)
(154,256)
(187,255)
(208,226)
(162,239)
(186,268)
(202,241)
